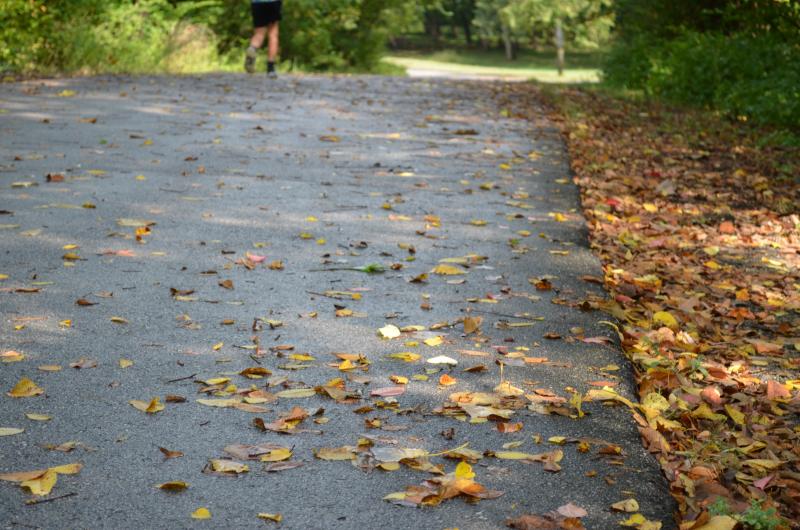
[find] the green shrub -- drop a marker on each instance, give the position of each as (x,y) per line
(335,34)
(24,25)
(184,35)
(755,77)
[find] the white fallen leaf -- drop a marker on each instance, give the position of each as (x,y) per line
(442,359)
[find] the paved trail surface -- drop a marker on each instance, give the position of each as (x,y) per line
(316,173)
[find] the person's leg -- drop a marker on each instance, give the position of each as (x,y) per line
(256,42)
(273,33)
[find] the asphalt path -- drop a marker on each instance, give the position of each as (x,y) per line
(319,174)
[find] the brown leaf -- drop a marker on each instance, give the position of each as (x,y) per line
(170,454)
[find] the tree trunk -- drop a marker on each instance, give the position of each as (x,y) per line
(508,43)
(559,38)
(467,31)
(432,27)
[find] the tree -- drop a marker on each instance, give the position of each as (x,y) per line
(586,23)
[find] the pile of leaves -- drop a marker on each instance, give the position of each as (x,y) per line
(698,230)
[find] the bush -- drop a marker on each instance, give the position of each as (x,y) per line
(336,34)
(139,36)
(23,27)
(756,77)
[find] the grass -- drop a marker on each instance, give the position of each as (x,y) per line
(581,67)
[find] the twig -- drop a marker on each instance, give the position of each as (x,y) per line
(181,378)
(51,499)
(506,315)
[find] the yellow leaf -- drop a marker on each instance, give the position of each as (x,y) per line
(334,453)
(704,411)
(277,455)
(389,331)
(228,466)
(434,341)
(634,520)
(25,388)
(399,379)
(201,513)
(271,517)
(447,270)
(719,522)
(560,217)
(763,463)
(38,417)
(11,356)
(67,469)
(217,346)
(302,357)
(397,496)
(627,505)
(125,363)
(10,431)
(655,401)
(296,393)
(346,365)
(151,408)
(607,394)
(118,320)
(222,403)
(408,357)
(665,318)
(472,324)
(217,381)
(464,470)
(735,414)
(42,485)
(513,455)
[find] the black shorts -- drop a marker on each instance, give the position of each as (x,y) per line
(266,13)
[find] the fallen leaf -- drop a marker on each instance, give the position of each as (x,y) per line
(442,359)
(389,331)
(447,270)
(38,417)
(174,486)
(170,454)
(571,510)
(627,505)
(10,431)
(389,391)
(151,408)
(296,393)
(25,388)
